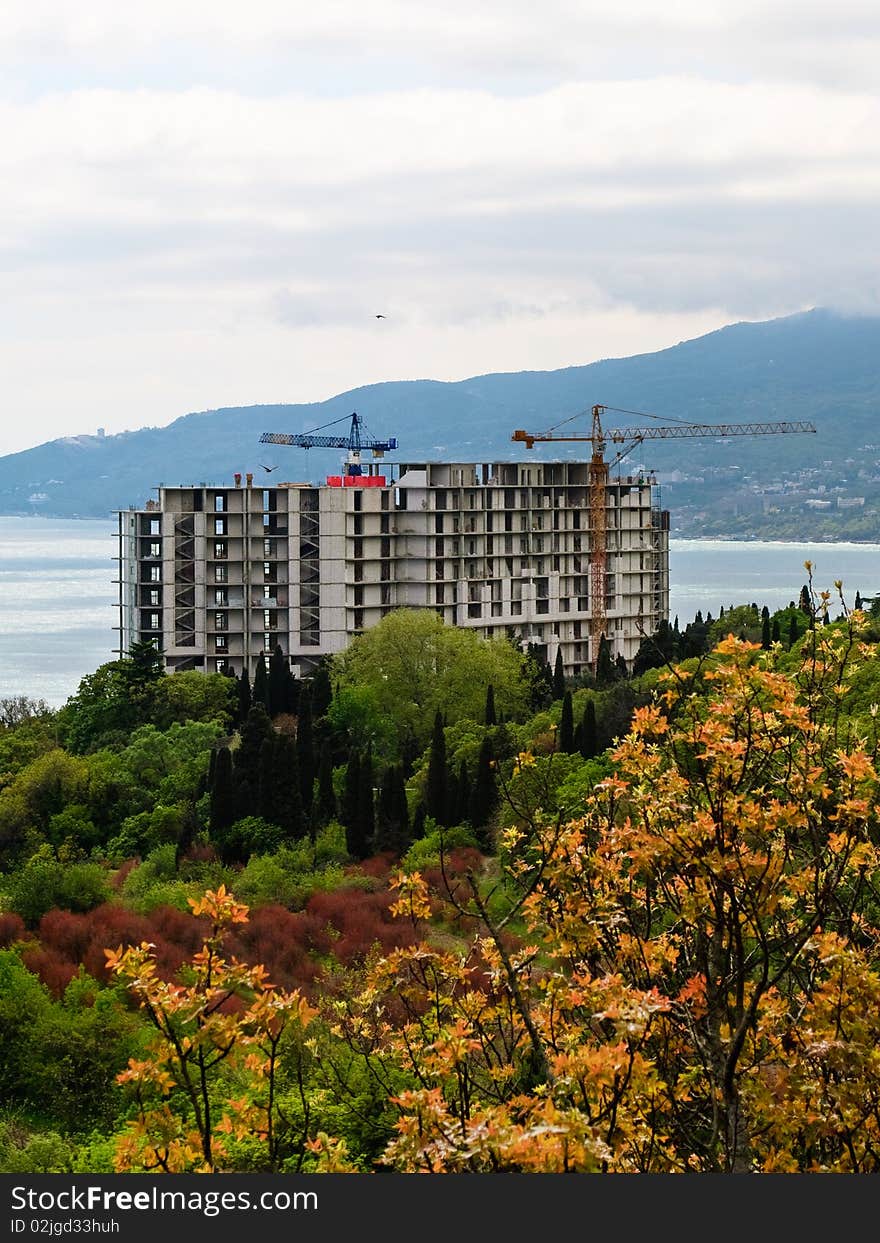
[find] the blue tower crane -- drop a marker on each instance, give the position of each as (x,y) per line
(355,442)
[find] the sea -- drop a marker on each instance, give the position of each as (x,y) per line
(58,596)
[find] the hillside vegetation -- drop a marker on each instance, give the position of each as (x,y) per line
(438,910)
(815,366)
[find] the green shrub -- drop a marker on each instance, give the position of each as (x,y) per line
(44,883)
(425,853)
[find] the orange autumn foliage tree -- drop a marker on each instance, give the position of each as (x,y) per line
(220,1018)
(698,985)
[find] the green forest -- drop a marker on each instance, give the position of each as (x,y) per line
(438,908)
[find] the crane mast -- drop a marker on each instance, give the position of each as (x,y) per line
(598,483)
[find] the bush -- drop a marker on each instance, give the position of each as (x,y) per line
(12,929)
(41,1153)
(425,852)
(44,883)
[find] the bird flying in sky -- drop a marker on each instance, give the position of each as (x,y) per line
(268,469)
(381,317)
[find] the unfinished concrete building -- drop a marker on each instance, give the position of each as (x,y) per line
(217,575)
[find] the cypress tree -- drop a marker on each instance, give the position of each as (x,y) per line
(566,725)
(401,806)
(437,792)
(326,809)
(392,815)
(292,692)
(349,809)
(489,716)
(558,676)
(859,603)
(589,732)
(418,824)
(305,749)
(246,761)
(765,629)
(244,696)
(260,688)
(485,794)
(287,810)
(620,663)
(321,691)
(279,673)
(805,604)
(222,804)
(606,672)
(366,821)
(266,780)
(461,809)
(774,632)
(792,629)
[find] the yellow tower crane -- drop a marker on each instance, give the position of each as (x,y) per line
(598,478)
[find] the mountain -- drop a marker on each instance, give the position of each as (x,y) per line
(818,365)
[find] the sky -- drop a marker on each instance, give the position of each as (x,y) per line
(208,204)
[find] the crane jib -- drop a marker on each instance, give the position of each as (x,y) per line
(619,434)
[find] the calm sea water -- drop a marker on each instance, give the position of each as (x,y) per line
(58,599)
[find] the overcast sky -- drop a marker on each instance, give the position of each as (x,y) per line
(206,203)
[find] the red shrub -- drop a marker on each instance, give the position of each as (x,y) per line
(379,865)
(11,929)
(65,933)
(55,972)
(362,920)
(178,928)
(281,941)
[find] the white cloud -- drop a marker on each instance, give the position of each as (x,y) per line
(200,208)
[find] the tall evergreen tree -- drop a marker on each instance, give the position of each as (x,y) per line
(437,792)
(247,756)
(792,629)
(418,824)
(489,716)
(321,691)
(260,688)
(326,809)
(366,830)
(606,673)
(266,780)
(305,748)
(859,603)
(392,814)
(775,636)
(620,664)
(658,649)
(566,725)
(540,678)
(805,604)
(287,809)
(765,629)
(279,675)
(461,799)
(244,697)
(349,812)
(589,732)
(485,794)
(558,676)
(222,793)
